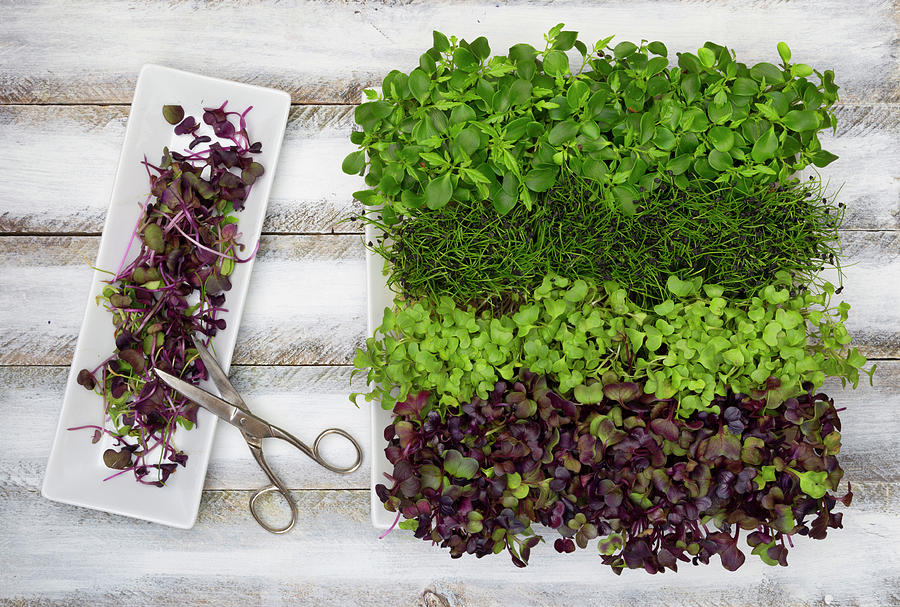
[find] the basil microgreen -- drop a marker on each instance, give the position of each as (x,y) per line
(539,120)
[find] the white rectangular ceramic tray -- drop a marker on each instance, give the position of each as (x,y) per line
(75,470)
(380,297)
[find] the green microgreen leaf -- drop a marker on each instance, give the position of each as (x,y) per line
(438,191)
(801,120)
(532,115)
(457,465)
(354,163)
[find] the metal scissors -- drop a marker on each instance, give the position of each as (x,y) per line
(232,408)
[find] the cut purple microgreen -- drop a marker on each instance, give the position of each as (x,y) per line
(654,488)
(172,290)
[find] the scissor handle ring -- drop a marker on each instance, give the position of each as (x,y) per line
(265,525)
(338,469)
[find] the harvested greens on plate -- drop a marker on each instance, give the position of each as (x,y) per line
(609,316)
(174,288)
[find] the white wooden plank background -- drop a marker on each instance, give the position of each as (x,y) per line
(67,72)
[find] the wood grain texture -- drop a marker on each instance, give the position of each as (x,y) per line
(305,400)
(307,300)
(872,287)
(354,44)
(333,558)
(867,174)
(306,303)
(310,193)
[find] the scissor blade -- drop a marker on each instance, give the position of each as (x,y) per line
(217,375)
(238,418)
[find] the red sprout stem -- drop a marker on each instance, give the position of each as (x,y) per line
(131,240)
(119,473)
(391,528)
(93,426)
(205,248)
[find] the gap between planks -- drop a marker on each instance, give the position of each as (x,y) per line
(248,365)
(310,365)
(265,233)
(294,104)
(330,233)
(321,66)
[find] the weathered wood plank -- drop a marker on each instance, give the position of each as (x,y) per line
(46,189)
(307,299)
(303,400)
(867,174)
(310,193)
(872,287)
(61,555)
(306,400)
(306,303)
(355,44)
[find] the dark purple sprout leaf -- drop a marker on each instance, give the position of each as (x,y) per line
(224,130)
(188,125)
(198,140)
(213,116)
(632,475)
(564,545)
(413,405)
(665,428)
(86,379)
(732,557)
(135,359)
(117,460)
